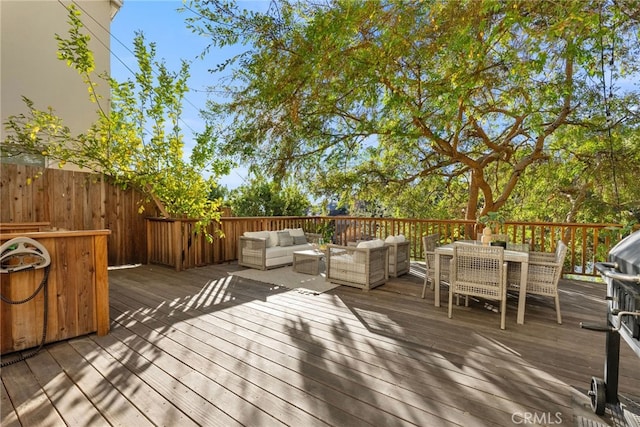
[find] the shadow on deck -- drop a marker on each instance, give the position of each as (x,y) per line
(201,347)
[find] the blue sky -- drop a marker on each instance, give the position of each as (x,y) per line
(162,24)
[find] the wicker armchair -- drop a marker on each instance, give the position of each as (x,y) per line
(398,258)
(545,270)
(479,271)
(360,267)
(430,243)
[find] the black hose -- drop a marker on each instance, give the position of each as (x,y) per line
(43,286)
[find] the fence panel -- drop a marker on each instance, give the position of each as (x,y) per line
(71,200)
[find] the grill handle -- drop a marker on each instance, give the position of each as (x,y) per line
(608,269)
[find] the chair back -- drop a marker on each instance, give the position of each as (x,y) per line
(561,252)
(478,270)
(430,243)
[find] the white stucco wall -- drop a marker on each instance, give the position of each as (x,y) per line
(29,65)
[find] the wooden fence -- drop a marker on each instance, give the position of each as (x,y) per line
(175,242)
(67,200)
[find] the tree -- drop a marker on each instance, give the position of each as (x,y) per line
(262,198)
(138,142)
(588,178)
(373,98)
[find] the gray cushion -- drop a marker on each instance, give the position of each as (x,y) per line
(299,240)
(284,238)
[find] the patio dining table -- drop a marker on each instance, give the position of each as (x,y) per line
(513,254)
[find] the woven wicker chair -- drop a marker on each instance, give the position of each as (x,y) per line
(430,243)
(399,258)
(479,271)
(545,270)
(364,268)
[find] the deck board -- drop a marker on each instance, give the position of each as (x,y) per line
(107,396)
(200,347)
(72,405)
(27,397)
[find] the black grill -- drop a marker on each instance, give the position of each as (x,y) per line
(622,275)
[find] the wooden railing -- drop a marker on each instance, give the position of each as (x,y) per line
(174,242)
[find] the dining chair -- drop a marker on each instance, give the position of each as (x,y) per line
(430,243)
(543,276)
(479,271)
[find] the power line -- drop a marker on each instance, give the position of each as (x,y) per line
(108,48)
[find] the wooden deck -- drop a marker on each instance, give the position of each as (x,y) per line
(200,347)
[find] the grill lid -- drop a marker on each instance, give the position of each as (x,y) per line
(626,254)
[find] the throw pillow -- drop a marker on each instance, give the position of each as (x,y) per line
(295,232)
(390,239)
(364,244)
(273,239)
(299,240)
(377,243)
(284,238)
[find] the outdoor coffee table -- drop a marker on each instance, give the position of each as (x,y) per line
(308,261)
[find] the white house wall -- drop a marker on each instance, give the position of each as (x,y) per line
(29,65)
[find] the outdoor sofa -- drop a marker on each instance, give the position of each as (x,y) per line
(270,249)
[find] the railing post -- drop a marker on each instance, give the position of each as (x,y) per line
(177,243)
(149,237)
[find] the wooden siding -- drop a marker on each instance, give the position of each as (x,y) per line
(77,291)
(200,347)
(68,200)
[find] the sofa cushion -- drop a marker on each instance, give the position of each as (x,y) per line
(395,239)
(377,243)
(273,239)
(284,238)
(360,257)
(284,253)
(278,251)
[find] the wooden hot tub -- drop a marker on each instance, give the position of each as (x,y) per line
(78,291)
